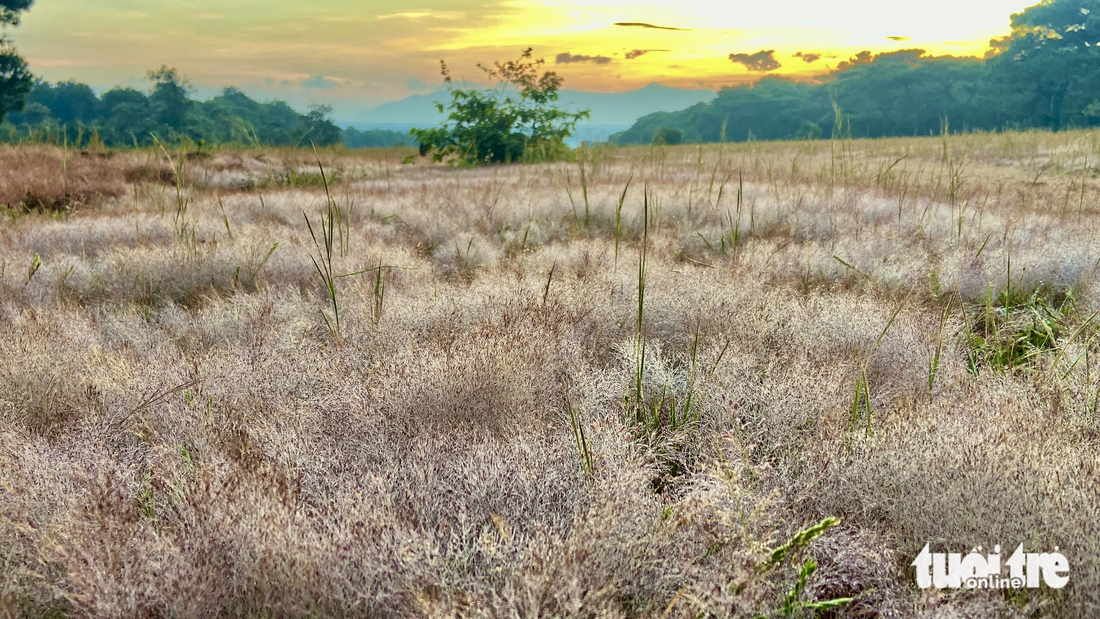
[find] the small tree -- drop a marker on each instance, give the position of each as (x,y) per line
(669,136)
(809,131)
(321,131)
(1092,111)
(516,121)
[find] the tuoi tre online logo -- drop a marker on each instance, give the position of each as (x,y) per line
(978,571)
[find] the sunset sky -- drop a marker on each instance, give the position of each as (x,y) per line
(358,54)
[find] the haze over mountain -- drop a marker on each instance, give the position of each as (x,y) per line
(610,111)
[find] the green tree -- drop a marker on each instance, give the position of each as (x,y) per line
(33,114)
(11,11)
(15,78)
(908,93)
(1092,111)
(124,117)
(772,109)
(374,138)
(1049,67)
(320,129)
(809,131)
(169,97)
(129,117)
(896,93)
(668,135)
(69,102)
(518,120)
(234,118)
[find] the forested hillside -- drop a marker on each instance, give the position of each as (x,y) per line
(1046,74)
(73,112)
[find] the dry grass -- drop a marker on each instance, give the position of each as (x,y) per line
(183,433)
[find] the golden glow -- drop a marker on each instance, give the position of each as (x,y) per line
(356,53)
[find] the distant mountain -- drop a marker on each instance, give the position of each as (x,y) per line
(615,109)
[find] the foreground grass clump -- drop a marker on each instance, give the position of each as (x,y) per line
(675,381)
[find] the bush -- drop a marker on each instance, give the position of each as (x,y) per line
(496,126)
(1092,112)
(809,131)
(668,136)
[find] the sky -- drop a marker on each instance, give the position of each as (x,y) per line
(356,54)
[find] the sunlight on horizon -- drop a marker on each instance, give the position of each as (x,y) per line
(348,52)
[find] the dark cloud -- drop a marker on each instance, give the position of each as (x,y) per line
(318,82)
(864,57)
(762,61)
(568,58)
(898,38)
(809,57)
(638,24)
(631,55)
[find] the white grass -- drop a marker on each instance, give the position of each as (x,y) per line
(181,435)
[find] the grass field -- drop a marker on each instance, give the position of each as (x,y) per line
(635,386)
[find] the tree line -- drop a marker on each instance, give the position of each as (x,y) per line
(70,112)
(126,117)
(1044,75)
